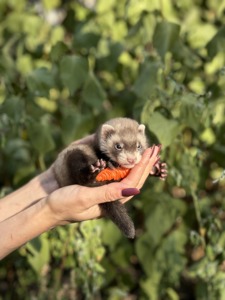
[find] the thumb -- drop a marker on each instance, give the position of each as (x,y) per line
(110,192)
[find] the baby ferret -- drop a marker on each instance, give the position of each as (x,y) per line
(119,142)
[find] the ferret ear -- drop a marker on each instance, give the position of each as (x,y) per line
(107,130)
(141,128)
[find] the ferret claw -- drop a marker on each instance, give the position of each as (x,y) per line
(98,166)
(160,170)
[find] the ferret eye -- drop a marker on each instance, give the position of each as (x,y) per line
(139,146)
(118,147)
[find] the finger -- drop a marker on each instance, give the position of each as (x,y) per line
(91,196)
(149,166)
(115,191)
(141,170)
(150,158)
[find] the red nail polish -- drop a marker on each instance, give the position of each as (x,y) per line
(130,192)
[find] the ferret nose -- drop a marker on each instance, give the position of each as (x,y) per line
(131,160)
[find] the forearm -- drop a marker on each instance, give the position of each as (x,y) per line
(39,187)
(25,196)
(24,226)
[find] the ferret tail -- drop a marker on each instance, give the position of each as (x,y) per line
(118,214)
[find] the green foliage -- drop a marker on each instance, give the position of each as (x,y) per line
(161,62)
(73,72)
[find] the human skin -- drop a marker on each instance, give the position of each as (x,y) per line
(41,205)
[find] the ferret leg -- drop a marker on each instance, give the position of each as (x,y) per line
(98,166)
(117,212)
(82,166)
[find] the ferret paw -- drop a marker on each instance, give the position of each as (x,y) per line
(98,166)
(160,170)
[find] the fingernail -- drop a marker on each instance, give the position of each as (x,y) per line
(130,192)
(153,148)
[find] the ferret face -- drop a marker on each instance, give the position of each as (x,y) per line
(125,154)
(124,143)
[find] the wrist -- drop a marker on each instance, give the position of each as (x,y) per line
(37,188)
(48,214)
(55,213)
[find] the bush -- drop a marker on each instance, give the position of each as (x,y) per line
(66,67)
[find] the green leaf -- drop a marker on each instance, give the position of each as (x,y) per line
(86,40)
(121,255)
(17,158)
(93,92)
(58,50)
(51,4)
(13,108)
(17,150)
(170,256)
(151,290)
(165,36)
(73,72)
(40,137)
(217,43)
(145,253)
(70,123)
(74,125)
(146,83)
(172,294)
(39,253)
(110,62)
(184,54)
(166,260)
(166,130)
(170,208)
(40,81)
(191,110)
(111,235)
(102,6)
(203,269)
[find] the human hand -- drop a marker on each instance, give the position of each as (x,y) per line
(78,203)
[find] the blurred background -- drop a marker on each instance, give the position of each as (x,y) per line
(68,66)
